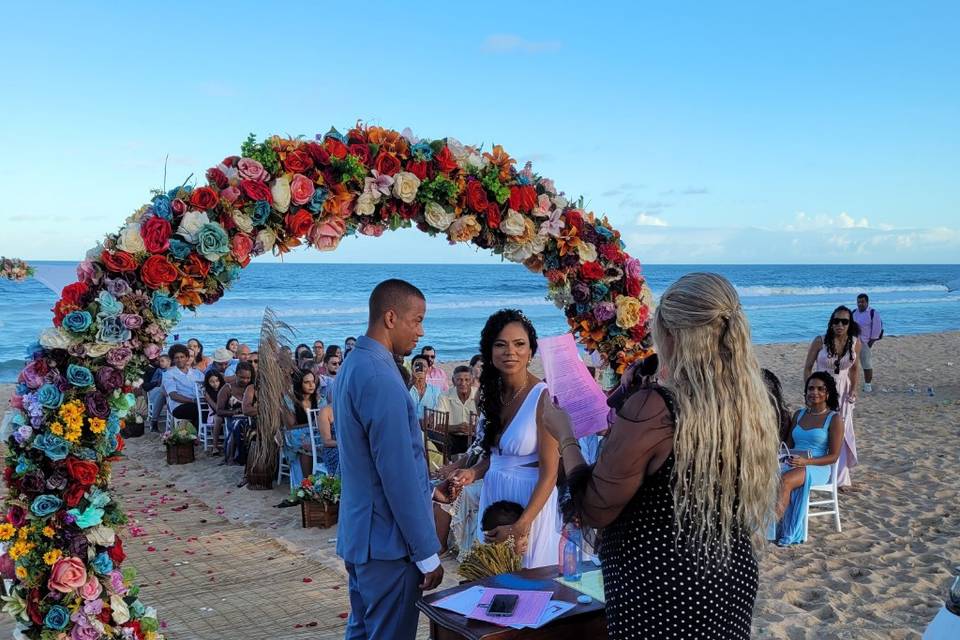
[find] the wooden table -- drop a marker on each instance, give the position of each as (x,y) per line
(583,622)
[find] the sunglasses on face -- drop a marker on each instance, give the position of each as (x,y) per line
(843,321)
(335,363)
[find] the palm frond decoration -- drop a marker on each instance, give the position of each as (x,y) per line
(274,393)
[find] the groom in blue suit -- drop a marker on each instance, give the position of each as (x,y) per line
(386,535)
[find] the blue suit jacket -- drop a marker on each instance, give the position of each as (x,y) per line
(385,505)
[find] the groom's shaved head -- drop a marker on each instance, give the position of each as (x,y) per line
(392,294)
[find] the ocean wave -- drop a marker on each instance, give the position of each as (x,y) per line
(829,304)
(333,310)
(759,291)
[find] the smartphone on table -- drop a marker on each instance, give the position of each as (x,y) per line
(502,604)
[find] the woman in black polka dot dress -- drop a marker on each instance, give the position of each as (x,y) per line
(686,478)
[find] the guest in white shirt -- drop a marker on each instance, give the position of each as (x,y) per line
(180,384)
(435,375)
(460,402)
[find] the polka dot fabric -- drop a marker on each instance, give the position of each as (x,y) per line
(652,586)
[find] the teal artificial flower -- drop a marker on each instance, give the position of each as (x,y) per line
(77,321)
(49,396)
(112,330)
(54,447)
(109,305)
(89,517)
(79,376)
(261,211)
(165,307)
(179,249)
(57,618)
(212,242)
(102,563)
(98,498)
(45,505)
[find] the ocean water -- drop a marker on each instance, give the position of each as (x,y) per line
(785,303)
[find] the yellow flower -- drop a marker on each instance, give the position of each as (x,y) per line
(73,433)
(24,532)
(97,425)
(6,531)
(56,429)
(50,557)
(628,312)
(20,548)
(48,532)
(21,573)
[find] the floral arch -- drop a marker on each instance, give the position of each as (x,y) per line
(62,524)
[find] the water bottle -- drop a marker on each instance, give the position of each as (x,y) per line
(571,553)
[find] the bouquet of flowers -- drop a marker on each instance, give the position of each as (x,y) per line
(14,269)
(318,488)
(183,432)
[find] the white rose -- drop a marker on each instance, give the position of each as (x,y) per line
(56,338)
(457,149)
(243,221)
(101,535)
(405,186)
(281,194)
(514,224)
(476,161)
(539,243)
(438,217)
(130,239)
(366,204)
(266,239)
(121,613)
(517,252)
(560,202)
(191,223)
(587,251)
(98,349)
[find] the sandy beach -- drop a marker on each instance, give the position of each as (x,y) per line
(885,576)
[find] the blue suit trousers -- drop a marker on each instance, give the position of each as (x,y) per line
(383,598)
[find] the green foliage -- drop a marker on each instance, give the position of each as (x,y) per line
(440,189)
(501,193)
(262,153)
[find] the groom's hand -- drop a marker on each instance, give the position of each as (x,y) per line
(432,580)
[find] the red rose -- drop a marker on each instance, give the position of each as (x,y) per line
(196,266)
(611,253)
(387,163)
(356,136)
(634,287)
(445,160)
(116,551)
(493,215)
(256,190)
(476,196)
(297,161)
(60,310)
(336,148)
(523,198)
(33,607)
(217,177)
(591,270)
(362,152)
(73,495)
(156,234)
(240,247)
(318,153)
(574,218)
(418,168)
(298,223)
(409,210)
(204,198)
(639,331)
(230,161)
(121,443)
(83,471)
(74,293)
(118,261)
(157,272)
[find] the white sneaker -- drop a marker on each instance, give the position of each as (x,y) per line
(867,387)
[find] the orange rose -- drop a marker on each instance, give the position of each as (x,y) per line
(298,223)
(240,247)
(67,574)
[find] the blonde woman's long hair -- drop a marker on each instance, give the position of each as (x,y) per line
(726,473)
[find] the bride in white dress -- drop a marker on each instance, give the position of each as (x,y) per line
(522,459)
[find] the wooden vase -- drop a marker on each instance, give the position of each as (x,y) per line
(180,452)
(319,514)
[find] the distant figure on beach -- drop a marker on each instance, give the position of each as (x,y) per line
(687,477)
(818,430)
(387,537)
(837,353)
(871,331)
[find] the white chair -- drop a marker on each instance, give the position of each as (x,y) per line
(205,430)
(283,469)
(316,443)
(831,504)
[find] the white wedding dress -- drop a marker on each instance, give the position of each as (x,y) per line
(509,478)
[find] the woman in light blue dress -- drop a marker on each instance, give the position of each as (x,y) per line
(818,430)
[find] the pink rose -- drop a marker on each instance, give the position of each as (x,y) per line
(16,402)
(301,189)
(91,589)
(67,574)
(179,207)
(116,582)
(151,351)
(86,272)
(131,320)
(84,631)
(326,236)
(251,169)
(632,268)
(230,194)
(374,230)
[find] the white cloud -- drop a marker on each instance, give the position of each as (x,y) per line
(509,43)
(647,220)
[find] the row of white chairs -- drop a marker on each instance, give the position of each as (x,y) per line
(205,430)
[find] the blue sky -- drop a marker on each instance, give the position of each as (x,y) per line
(707,132)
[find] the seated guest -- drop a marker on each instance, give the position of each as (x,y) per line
(328,436)
(233,346)
(212,383)
(296,438)
(331,365)
(153,387)
(424,394)
(459,402)
(301,353)
(180,384)
(818,431)
(200,361)
(348,346)
(230,411)
(221,361)
(435,375)
(318,350)
(476,366)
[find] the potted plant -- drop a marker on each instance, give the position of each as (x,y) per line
(180,440)
(319,498)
